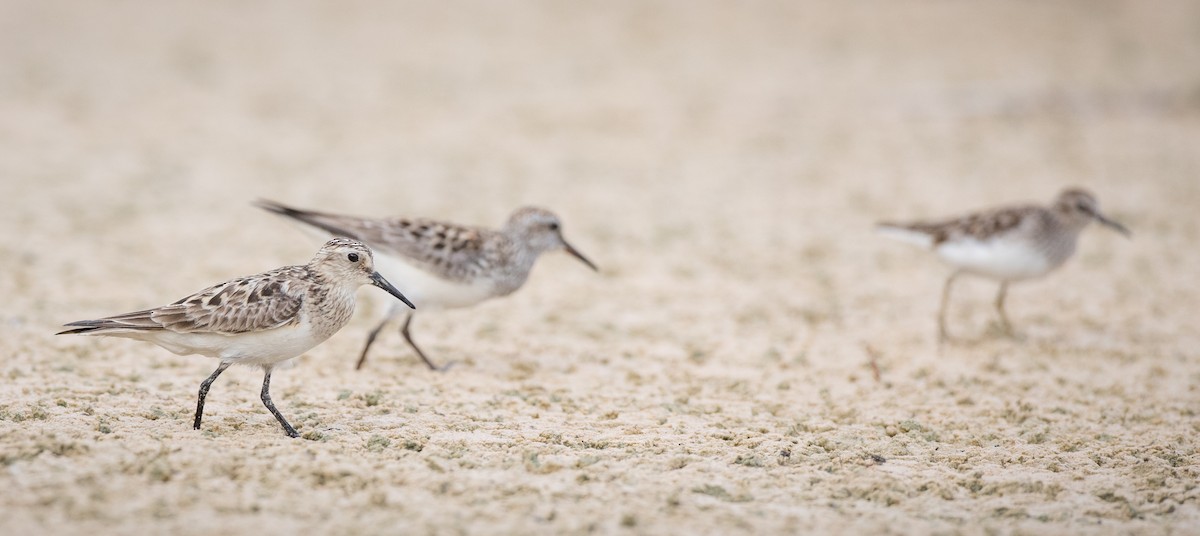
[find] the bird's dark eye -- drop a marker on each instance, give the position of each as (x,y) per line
(353,257)
(553,226)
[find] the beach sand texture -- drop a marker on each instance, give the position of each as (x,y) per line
(751,358)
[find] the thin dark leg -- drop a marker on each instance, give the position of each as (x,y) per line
(1004,323)
(266,398)
(408,337)
(370,340)
(204,392)
(943,335)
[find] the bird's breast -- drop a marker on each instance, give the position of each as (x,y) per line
(429,291)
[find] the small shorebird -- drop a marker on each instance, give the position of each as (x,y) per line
(259,320)
(1007,244)
(443,265)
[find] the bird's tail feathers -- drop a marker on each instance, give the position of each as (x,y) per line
(319,220)
(136,321)
(905,234)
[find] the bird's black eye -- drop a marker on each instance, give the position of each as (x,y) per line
(553,226)
(353,257)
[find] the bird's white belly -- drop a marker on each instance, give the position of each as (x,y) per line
(1008,260)
(253,348)
(428,291)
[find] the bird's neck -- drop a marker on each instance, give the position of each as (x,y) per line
(331,291)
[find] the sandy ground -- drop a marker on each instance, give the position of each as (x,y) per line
(722,162)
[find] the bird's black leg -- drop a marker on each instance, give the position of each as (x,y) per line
(370,340)
(266,398)
(204,392)
(408,337)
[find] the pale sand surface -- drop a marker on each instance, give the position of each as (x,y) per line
(721,161)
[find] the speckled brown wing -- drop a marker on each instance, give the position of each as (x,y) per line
(434,243)
(254,303)
(454,251)
(978,225)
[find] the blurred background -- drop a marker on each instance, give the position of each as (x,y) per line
(711,141)
(664,128)
(722,161)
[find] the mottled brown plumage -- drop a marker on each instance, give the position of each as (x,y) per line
(979,225)
(254,303)
(454,252)
(457,253)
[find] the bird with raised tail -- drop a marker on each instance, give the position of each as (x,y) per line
(442,265)
(1007,244)
(259,320)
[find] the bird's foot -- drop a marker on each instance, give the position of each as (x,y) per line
(445,367)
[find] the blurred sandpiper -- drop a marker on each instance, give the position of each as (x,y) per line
(1006,244)
(442,265)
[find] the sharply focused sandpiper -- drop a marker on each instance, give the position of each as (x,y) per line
(262,319)
(1008,244)
(444,265)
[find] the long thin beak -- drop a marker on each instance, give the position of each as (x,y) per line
(575,253)
(1110,223)
(382,283)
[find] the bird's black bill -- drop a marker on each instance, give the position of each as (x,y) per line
(382,283)
(1111,224)
(575,253)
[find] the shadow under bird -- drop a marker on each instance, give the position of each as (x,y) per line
(1007,244)
(260,320)
(443,265)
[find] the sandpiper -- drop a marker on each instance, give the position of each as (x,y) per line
(1007,244)
(261,320)
(443,265)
